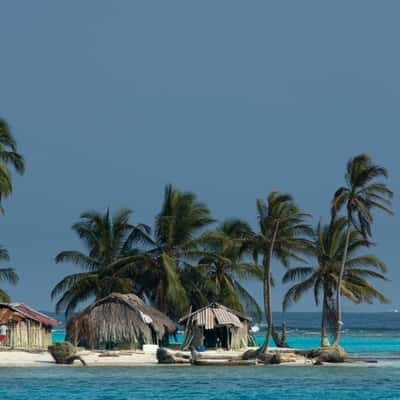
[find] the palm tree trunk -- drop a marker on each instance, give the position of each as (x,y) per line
(267,290)
(324,335)
(339,322)
(267,302)
(162,297)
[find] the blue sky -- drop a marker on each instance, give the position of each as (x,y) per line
(110,101)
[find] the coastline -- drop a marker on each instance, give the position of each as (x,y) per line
(18,358)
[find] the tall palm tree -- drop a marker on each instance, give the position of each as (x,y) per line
(329,244)
(282,234)
(6,275)
(225,268)
(359,197)
(9,156)
(158,270)
(108,239)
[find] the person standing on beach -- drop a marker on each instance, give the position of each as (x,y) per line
(3,334)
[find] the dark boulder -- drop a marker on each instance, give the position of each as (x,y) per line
(250,354)
(63,353)
(329,354)
(164,356)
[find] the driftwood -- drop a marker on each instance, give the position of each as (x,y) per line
(269,358)
(224,362)
(167,356)
(222,356)
(218,359)
(264,358)
(331,354)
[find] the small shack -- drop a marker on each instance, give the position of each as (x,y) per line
(216,326)
(119,321)
(25,328)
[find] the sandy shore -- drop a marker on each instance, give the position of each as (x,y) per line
(27,359)
(15,358)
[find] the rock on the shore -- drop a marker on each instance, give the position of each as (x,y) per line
(265,358)
(63,353)
(167,356)
(330,354)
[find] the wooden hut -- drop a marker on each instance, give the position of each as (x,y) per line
(27,329)
(119,321)
(216,326)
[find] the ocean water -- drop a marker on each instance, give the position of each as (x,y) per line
(367,335)
(202,383)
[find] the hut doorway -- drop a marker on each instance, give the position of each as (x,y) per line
(219,337)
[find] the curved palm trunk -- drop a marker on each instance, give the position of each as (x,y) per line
(324,335)
(339,288)
(267,290)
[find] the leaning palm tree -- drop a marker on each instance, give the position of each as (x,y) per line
(6,275)
(9,156)
(158,270)
(329,243)
(225,268)
(108,239)
(359,197)
(282,234)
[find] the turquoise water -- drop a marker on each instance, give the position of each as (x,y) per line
(200,383)
(375,336)
(359,343)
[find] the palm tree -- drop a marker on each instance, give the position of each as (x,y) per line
(6,275)
(328,247)
(108,239)
(282,234)
(360,196)
(225,268)
(158,270)
(8,156)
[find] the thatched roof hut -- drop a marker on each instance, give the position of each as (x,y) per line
(119,321)
(25,328)
(216,326)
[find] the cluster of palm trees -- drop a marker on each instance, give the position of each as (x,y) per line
(179,264)
(9,157)
(184,261)
(187,262)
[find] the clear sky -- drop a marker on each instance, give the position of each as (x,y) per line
(111,100)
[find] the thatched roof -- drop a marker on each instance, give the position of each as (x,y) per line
(215,314)
(120,318)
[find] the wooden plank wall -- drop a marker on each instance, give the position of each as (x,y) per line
(28,335)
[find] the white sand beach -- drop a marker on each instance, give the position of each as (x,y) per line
(36,359)
(15,358)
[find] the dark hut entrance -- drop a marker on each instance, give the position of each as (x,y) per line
(219,337)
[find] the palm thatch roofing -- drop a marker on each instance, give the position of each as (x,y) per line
(119,321)
(213,315)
